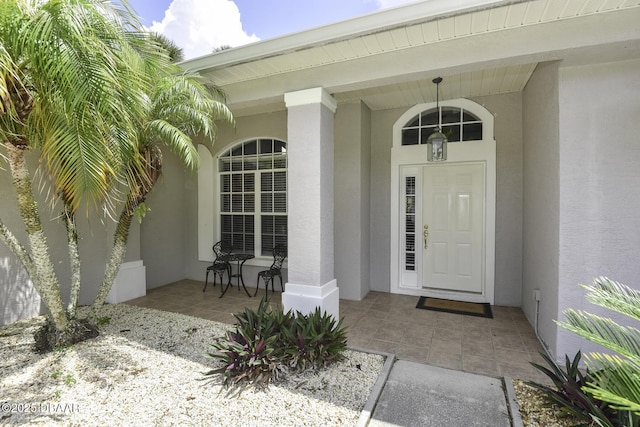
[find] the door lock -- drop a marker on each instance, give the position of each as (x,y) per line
(425,234)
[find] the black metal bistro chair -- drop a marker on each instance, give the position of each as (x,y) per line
(219,267)
(279,255)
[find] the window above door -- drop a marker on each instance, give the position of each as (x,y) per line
(458,125)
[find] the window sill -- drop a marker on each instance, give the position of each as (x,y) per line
(262,262)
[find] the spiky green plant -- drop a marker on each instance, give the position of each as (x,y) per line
(567,389)
(249,353)
(268,340)
(615,378)
(315,340)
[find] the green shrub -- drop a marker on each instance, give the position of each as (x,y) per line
(249,352)
(567,391)
(268,340)
(614,379)
(314,341)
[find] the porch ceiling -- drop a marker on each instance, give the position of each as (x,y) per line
(388,59)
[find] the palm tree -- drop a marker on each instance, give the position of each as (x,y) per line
(74,85)
(175,52)
(179,107)
(615,378)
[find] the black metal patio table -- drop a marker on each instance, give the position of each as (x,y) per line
(239,259)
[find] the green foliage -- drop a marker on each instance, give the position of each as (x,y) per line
(92,94)
(612,382)
(314,341)
(568,391)
(268,340)
(105,320)
(616,378)
(141,211)
(249,352)
(70,380)
(175,52)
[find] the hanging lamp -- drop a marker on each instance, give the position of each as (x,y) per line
(437,142)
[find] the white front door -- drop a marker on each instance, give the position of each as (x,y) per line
(453,218)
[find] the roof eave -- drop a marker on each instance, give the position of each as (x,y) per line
(422,11)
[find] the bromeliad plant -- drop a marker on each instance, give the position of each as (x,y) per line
(316,340)
(567,388)
(266,341)
(249,352)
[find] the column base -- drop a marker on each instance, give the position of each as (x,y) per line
(130,283)
(305,298)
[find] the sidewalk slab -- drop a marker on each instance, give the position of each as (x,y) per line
(424,395)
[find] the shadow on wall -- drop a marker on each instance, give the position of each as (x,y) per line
(18,297)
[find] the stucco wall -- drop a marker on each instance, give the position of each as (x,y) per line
(381,142)
(352,160)
(507,110)
(541,199)
(310,197)
(163,241)
(365,200)
(599,184)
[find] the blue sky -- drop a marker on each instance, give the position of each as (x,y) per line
(199,26)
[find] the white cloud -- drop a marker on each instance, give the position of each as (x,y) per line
(385,4)
(199,26)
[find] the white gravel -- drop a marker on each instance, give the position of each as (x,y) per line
(146,369)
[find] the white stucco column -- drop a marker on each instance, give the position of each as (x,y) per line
(311,274)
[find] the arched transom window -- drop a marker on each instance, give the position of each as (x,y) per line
(457,124)
(253,195)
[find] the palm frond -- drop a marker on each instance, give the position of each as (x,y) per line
(604,331)
(178,141)
(90,73)
(615,380)
(615,296)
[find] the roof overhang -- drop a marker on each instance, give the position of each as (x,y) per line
(387,59)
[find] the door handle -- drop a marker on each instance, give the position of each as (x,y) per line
(425,234)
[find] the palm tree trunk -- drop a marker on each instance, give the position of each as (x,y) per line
(9,239)
(117,255)
(44,279)
(74,259)
(153,166)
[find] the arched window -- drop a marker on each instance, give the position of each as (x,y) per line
(253,195)
(457,125)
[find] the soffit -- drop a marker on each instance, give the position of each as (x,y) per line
(377,66)
(464,85)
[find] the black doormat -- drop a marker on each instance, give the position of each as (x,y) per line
(457,307)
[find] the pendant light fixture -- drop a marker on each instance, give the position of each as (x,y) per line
(437,142)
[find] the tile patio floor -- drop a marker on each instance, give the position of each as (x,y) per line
(386,322)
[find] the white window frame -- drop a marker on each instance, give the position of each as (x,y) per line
(209,199)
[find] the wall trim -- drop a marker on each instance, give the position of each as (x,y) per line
(316,95)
